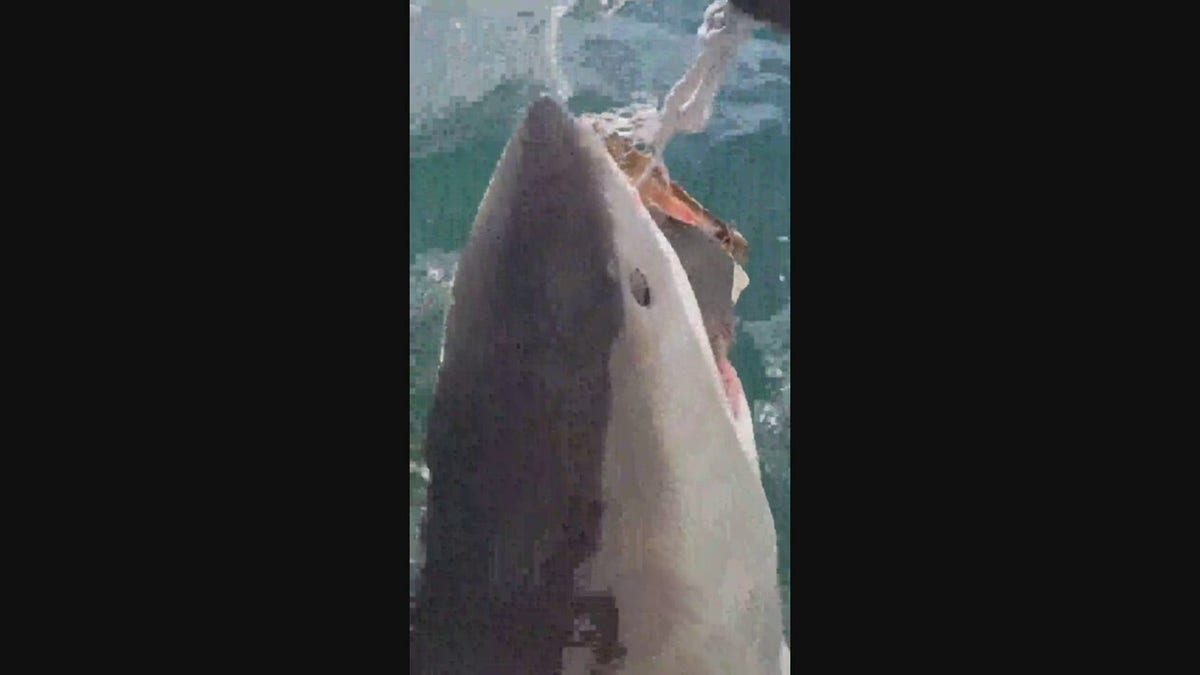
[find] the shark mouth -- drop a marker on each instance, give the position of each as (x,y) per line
(712,252)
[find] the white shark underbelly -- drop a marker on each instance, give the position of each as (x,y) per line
(588,472)
(688,543)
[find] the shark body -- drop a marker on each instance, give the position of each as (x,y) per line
(595,502)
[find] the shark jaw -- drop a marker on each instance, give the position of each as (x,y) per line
(595,501)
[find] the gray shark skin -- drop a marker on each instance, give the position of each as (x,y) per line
(515,439)
(585,465)
(710,273)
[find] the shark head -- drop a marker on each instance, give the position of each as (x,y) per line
(595,502)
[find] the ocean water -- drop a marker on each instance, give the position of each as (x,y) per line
(477,64)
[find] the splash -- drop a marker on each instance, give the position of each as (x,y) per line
(430,280)
(773,435)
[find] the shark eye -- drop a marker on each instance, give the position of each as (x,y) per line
(639,287)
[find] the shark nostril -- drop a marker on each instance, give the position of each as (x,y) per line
(639,287)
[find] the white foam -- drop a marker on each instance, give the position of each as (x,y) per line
(459,50)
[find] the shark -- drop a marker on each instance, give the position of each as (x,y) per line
(595,503)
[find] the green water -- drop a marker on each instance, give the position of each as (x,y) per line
(743,178)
